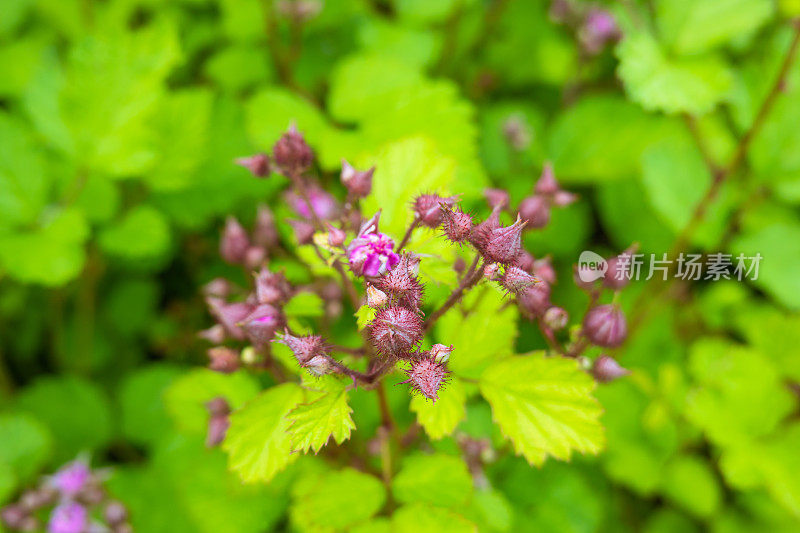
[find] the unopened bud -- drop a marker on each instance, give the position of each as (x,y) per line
(556,318)
(292,154)
(581,273)
(229,315)
(115,513)
(272,287)
(427,376)
(358,183)
(456,224)
(543,268)
(428,208)
(304,348)
(606,369)
(480,234)
(535,210)
(618,273)
(376,297)
(257,164)
(260,326)
(395,330)
(303,231)
(219,287)
(265,234)
(234,242)
(401,283)
(217,429)
(504,244)
(336,236)
(547,184)
(564,198)
(299,10)
(223,359)
(254,257)
(72,478)
(525,261)
(441,353)
(535,300)
(598,29)
(13,516)
(319,365)
(515,280)
(496,198)
(605,326)
(459,265)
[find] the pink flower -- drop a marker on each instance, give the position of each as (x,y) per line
(371,253)
(323,204)
(72,478)
(68,518)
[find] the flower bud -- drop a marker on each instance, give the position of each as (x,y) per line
(618,274)
(515,280)
(291,153)
(534,300)
(260,326)
(218,423)
(72,478)
(504,244)
(564,198)
(456,224)
(606,369)
(257,164)
(427,376)
(69,517)
(13,516)
(304,348)
(254,257)
(303,231)
(525,261)
(459,265)
(492,271)
(395,330)
(222,359)
(358,183)
(234,242)
(229,315)
(265,234)
(441,353)
(496,198)
(535,210)
(319,365)
(376,297)
(115,513)
(336,236)
(219,287)
(598,28)
(547,184)
(543,269)
(401,284)
(556,318)
(480,234)
(428,208)
(272,287)
(322,204)
(605,326)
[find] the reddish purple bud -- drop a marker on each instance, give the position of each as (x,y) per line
(215,334)
(459,265)
(618,274)
(515,280)
(401,285)
(69,517)
(254,257)
(257,164)
(272,287)
(358,183)
(223,359)
(218,422)
(480,234)
(115,513)
(265,234)
(525,261)
(428,208)
(323,204)
(13,516)
(598,29)
(371,253)
(535,210)
(218,406)
(292,154)
(260,326)
(456,224)
(547,184)
(556,318)
(441,353)
(395,330)
(336,236)
(305,348)
(376,297)
(219,287)
(564,198)
(504,244)
(497,198)
(234,242)
(492,272)
(319,365)
(579,274)
(535,300)
(427,376)
(605,325)
(229,315)
(543,269)
(303,231)
(606,369)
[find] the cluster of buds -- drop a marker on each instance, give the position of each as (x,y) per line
(70,501)
(535,209)
(594,27)
(218,421)
(237,247)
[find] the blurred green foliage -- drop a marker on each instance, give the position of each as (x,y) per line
(119,121)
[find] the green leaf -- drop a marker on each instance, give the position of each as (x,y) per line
(258,442)
(486,334)
(25,444)
(437,479)
(144,418)
(143,233)
(423,518)
(270,112)
(23,180)
(325,414)
(77,412)
(774,333)
(305,304)
(364,316)
(673,85)
(696,26)
(545,406)
(186,397)
(337,500)
(14,12)
(237,67)
(492,511)
(8,481)
(690,482)
(441,418)
(739,395)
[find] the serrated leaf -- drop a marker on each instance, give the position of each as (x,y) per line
(141,234)
(441,418)
(258,442)
(437,479)
(544,405)
(690,482)
(141,397)
(325,414)
(673,85)
(424,518)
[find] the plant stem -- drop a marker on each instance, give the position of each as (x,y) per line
(411,227)
(470,279)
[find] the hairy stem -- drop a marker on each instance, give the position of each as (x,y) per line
(471,278)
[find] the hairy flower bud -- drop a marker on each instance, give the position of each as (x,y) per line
(395,330)
(223,359)
(605,326)
(534,300)
(441,353)
(319,365)
(305,349)
(556,318)
(456,224)
(272,287)
(543,268)
(260,325)
(234,242)
(428,208)
(515,280)
(336,236)
(265,234)
(229,315)
(606,369)
(292,154)
(115,513)
(427,376)
(303,231)
(503,244)
(358,183)
(69,517)
(480,234)
(376,297)
(525,261)
(547,184)
(401,284)
(497,198)
(257,164)
(535,210)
